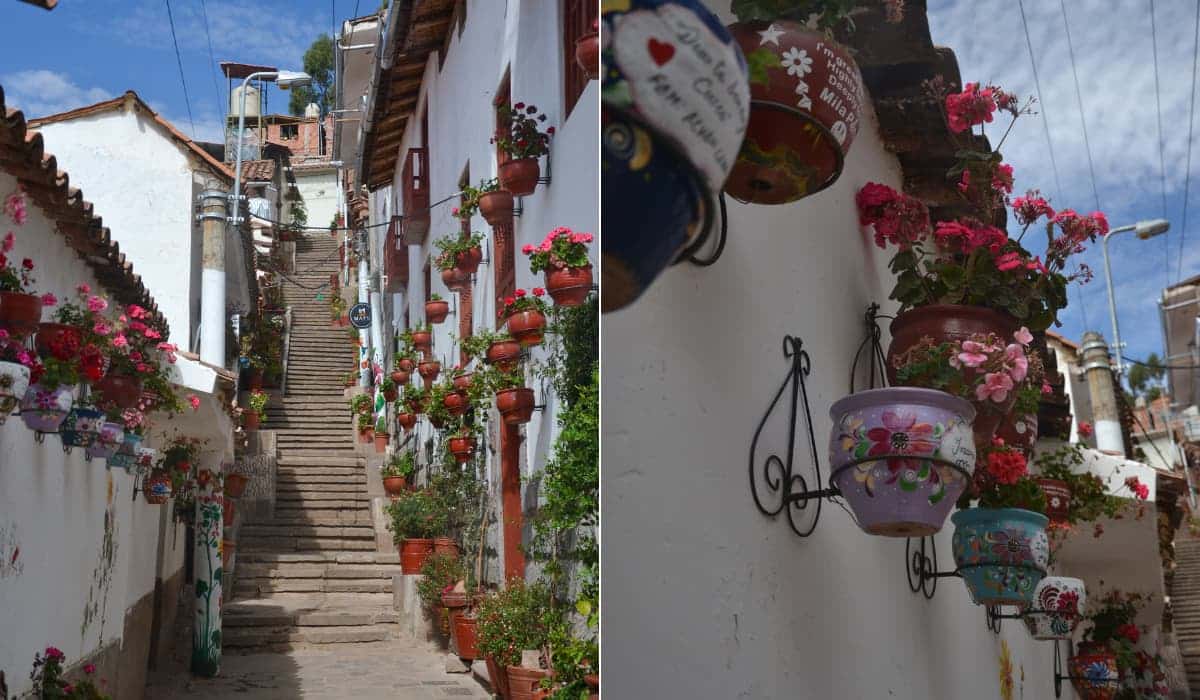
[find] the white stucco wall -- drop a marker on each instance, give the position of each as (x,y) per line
(319,189)
(56,508)
(703,595)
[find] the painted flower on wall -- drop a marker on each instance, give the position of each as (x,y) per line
(1006,671)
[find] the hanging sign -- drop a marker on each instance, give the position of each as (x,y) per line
(360,315)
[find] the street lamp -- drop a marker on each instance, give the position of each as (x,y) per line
(1145,229)
(284,79)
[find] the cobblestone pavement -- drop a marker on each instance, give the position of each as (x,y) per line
(403,669)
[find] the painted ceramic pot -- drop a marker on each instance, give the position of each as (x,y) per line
(1147,678)
(1019,431)
(413,553)
(14,382)
(901,457)
(1001,553)
(1093,670)
(44,410)
(110,439)
(436,310)
(805,105)
(1058,604)
(126,455)
(949,322)
(1058,499)
(20,313)
(515,405)
(666,146)
(144,460)
(157,487)
(81,427)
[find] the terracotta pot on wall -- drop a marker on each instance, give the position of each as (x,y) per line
(429,370)
(390,395)
(468,262)
(569,286)
(445,545)
(463,448)
(504,354)
(527,327)
(49,334)
(413,553)
(519,176)
(422,340)
(381,442)
(496,207)
(20,313)
(406,420)
(394,485)
(456,403)
(515,405)
(802,124)
(250,420)
(523,682)
(436,310)
(463,381)
(407,366)
(121,389)
(587,53)
(235,485)
(400,376)
(455,280)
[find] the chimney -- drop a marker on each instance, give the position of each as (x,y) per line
(1097,368)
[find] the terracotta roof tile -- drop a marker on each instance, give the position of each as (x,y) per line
(258,170)
(22,154)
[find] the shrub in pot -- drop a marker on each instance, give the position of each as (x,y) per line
(439,572)
(524,315)
(389,389)
(1073,495)
(415,519)
(498,349)
(381,436)
(461,253)
(901,457)
(397,472)
(563,257)
(256,412)
(416,399)
(1000,545)
(15,364)
(366,427)
(495,204)
(1108,651)
(514,400)
(436,309)
(523,141)
(20,308)
(48,401)
(510,621)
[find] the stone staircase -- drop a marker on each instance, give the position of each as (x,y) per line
(312,573)
(1185,605)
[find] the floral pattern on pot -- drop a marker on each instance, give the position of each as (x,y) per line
(1058,602)
(14,382)
(1094,673)
(81,426)
(1001,553)
(126,455)
(44,410)
(901,457)
(108,441)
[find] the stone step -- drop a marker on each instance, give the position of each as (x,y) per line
(318,459)
(364,558)
(290,637)
(287,507)
(316,570)
(304,489)
(342,531)
(304,544)
(253,587)
(359,514)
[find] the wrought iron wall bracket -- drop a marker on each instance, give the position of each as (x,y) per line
(1059,676)
(775,483)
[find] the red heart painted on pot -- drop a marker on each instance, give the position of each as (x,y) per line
(660,51)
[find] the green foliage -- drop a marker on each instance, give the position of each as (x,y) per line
(258,403)
(477,344)
(453,247)
(512,620)
(1110,618)
(1145,379)
(415,515)
(440,570)
(574,354)
(1090,499)
(318,62)
(361,403)
(1024,494)
(456,489)
(400,464)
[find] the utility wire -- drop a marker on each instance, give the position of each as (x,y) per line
(1162,162)
(356,228)
(1079,99)
(1151,366)
(212,62)
(1037,84)
(1187,171)
(179,60)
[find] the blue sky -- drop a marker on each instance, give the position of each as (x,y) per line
(1114,58)
(85,51)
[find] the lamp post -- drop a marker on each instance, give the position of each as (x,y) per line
(1145,230)
(212,280)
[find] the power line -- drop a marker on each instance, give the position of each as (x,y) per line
(1187,171)
(187,100)
(1079,99)
(1162,162)
(1038,86)
(1153,366)
(212,62)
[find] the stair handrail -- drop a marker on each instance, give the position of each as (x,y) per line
(287,346)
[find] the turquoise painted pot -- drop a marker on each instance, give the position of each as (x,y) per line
(1001,553)
(126,456)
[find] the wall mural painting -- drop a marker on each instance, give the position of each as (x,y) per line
(206,635)
(11,564)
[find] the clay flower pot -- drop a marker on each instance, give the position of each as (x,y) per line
(20,313)
(569,286)
(504,354)
(235,485)
(52,334)
(804,113)
(519,176)
(156,489)
(390,395)
(254,378)
(1001,553)
(436,310)
(394,485)
(498,677)
(406,420)
(413,553)
(126,455)
(1019,431)
(121,389)
(405,365)
(44,410)
(515,405)
(463,448)
(1058,605)
(422,340)
(227,511)
(445,545)
(429,371)
(400,377)
(463,381)
(496,207)
(468,262)
(81,427)
(108,441)
(250,420)
(523,682)
(1093,671)
(228,549)
(949,322)
(1058,499)
(587,54)
(381,442)
(456,403)
(466,637)
(455,280)
(14,382)
(527,327)
(901,457)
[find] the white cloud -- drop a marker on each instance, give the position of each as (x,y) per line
(39,93)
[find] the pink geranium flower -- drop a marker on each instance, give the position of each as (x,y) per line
(49,299)
(973,353)
(1008,261)
(96,304)
(996,387)
(1019,364)
(1023,336)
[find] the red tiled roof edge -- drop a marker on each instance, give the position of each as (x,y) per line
(22,154)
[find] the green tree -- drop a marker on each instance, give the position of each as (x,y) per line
(318,62)
(1145,379)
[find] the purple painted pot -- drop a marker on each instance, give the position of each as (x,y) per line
(44,410)
(901,457)
(108,441)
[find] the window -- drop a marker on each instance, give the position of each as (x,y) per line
(289,131)
(577,19)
